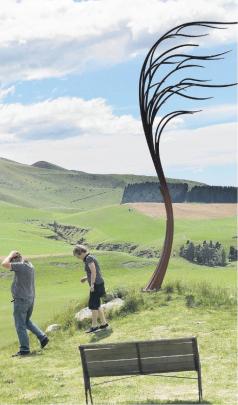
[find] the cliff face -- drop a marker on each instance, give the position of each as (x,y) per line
(150,192)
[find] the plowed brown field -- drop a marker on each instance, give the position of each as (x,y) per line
(187,210)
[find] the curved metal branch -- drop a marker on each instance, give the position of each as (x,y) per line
(155,93)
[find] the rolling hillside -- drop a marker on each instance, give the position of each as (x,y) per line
(44,185)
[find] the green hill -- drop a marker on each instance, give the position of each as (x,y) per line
(45,185)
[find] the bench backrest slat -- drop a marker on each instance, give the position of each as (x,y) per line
(140,357)
(122,351)
(155,349)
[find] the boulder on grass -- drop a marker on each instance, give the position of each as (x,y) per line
(114,304)
(52,328)
(86,313)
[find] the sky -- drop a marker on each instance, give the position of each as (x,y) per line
(69,76)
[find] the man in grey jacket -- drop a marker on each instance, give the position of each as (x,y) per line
(23,293)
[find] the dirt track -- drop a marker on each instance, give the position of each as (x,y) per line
(187,210)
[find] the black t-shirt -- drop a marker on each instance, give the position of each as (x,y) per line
(92,259)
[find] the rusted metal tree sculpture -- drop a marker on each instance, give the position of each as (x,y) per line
(154,92)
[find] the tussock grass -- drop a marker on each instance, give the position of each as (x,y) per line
(201,295)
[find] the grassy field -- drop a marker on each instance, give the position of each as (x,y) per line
(55,375)
(58,282)
(20,231)
(121,224)
(114,224)
(26,381)
(58,278)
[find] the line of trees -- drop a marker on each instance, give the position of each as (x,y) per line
(150,192)
(212,194)
(208,253)
(233,254)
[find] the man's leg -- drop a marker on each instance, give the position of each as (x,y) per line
(31,326)
(20,314)
(102,316)
(94,318)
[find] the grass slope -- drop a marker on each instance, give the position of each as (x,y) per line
(58,282)
(20,232)
(114,224)
(52,187)
(122,224)
(55,375)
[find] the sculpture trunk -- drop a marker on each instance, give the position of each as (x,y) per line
(159,273)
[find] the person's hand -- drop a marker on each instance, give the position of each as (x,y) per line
(83,279)
(92,288)
(13,254)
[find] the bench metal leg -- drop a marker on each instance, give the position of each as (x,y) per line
(86,395)
(88,391)
(199,385)
(90,394)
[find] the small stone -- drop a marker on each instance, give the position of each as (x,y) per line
(52,328)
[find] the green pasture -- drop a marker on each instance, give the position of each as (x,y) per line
(21,229)
(54,376)
(58,282)
(123,224)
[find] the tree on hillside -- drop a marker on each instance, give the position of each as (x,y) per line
(233,254)
(209,254)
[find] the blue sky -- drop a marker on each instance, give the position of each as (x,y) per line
(118,85)
(72,97)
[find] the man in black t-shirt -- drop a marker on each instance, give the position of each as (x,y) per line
(96,284)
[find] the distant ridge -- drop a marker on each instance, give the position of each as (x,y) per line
(48,186)
(46,165)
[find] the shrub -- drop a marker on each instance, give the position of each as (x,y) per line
(169,289)
(133,302)
(205,295)
(190,301)
(209,254)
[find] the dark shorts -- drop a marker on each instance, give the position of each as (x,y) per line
(95,296)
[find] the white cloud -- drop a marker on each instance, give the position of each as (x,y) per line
(200,147)
(87,135)
(51,38)
(64,117)
(5,91)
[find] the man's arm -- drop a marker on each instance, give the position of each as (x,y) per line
(92,268)
(7,261)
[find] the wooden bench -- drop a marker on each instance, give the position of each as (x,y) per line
(143,357)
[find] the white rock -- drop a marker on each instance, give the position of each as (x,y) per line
(116,303)
(53,327)
(86,313)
